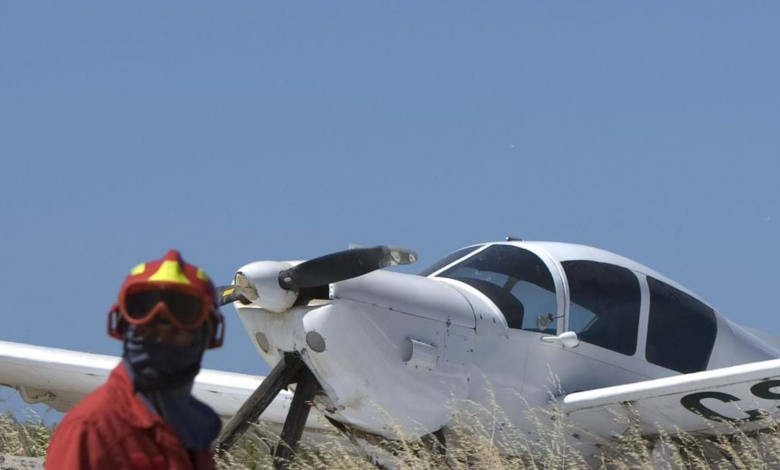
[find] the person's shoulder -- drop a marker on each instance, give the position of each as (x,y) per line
(103,412)
(94,407)
(82,439)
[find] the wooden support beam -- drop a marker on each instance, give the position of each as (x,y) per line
(296,419)
(285,372)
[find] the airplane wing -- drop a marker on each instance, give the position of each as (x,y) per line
(709,402)
(60,378)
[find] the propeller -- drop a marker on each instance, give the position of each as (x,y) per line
(343,265)
(321,271)
(228,295)
(241,289)
(277,284)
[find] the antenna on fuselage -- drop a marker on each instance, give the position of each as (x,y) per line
(510,238)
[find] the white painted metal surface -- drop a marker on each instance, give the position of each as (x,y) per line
(409,295)
(264,277)
(681,403)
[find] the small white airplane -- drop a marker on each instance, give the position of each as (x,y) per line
(489,322)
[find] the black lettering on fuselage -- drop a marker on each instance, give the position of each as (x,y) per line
(762,390)
(693,402)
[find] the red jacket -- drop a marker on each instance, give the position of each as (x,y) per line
(113,429)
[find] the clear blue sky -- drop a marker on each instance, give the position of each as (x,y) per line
(238,131)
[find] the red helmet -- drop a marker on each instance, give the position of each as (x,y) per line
(170,287)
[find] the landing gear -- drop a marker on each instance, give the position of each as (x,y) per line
(290,369)
(296,418)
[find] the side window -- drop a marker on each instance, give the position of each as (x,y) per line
(604,307)
(681,331)
(516,281)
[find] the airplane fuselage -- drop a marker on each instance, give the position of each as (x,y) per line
(483,327)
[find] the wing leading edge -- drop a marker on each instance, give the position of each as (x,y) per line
(60,378)
(710,402)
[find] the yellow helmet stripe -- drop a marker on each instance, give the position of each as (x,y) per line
(170,271)
(138,269)
(202,275)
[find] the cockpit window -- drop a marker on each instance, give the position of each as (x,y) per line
(604,307)
(516,281)
(449,259)
(681,331)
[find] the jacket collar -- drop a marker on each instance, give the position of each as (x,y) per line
(134,410)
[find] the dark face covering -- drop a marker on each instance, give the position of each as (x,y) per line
(160,366)
(163,375)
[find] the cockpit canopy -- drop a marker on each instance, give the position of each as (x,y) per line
(515,280)
(604,296)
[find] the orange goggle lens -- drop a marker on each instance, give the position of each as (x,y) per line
(185,308)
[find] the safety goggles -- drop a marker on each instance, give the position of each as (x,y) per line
(183,305)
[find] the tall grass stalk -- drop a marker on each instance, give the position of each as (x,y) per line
(481,438)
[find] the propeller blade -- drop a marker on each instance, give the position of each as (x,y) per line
(242,289)
(343,265)
(228,295)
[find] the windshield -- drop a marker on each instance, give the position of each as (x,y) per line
(516,281)
(449,259)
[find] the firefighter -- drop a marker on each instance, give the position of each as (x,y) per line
(144,416)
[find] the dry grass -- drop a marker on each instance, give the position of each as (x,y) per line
(478,438)
(28,438)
